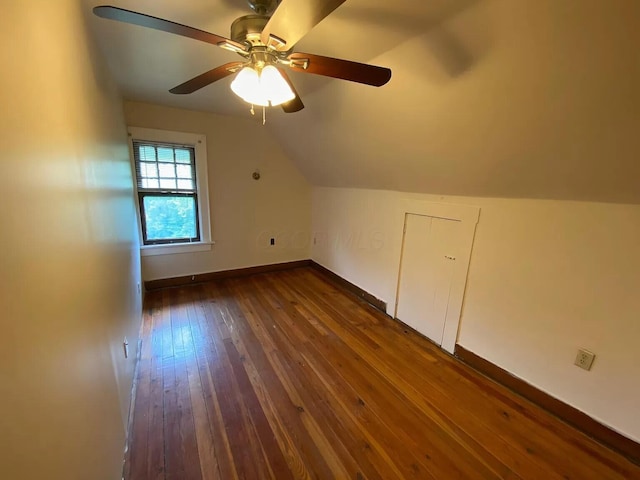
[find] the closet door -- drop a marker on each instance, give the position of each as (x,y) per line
(426,273)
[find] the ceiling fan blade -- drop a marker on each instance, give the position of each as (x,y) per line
(135,18)
(336,68)
(293,19)
(296,104)
(206,78)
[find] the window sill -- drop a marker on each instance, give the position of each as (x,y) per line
(149,250)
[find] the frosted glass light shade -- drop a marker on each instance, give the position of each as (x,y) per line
(276,87)
(247,86)
(268,87)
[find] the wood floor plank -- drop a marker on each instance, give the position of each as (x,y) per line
(294,459)
(206,356)
(273,455)
(246,454)
(181,459)
(285,376)
(388,368)
(306,398)
(154,454)
(318,450)
(349,408)
(207,457)
(356,371)
(264,382)
(533,440)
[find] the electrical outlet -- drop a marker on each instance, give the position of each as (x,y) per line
(584,359)
(272,241)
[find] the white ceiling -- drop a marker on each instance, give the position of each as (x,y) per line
(514,98)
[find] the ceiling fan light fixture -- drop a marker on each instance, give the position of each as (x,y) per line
(247,86)
(265,88)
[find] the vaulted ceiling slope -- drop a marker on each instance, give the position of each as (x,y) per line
(528,98)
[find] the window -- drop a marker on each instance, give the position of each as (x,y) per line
(167,193)
(170,169)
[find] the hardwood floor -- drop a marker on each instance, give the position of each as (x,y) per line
(284,376)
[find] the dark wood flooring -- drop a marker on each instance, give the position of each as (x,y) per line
(284,376)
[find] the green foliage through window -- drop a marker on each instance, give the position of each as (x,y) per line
(170,217)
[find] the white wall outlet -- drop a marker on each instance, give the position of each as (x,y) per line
(584,359)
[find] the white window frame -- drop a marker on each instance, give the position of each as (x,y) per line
(199,143)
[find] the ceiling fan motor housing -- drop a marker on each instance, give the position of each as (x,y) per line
(247,29)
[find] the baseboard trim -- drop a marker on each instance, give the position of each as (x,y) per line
(126,464)
(211,276)
(347,285)
(563,411)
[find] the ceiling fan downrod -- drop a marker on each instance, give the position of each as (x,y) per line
(263,7)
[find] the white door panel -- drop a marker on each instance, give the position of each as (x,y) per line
(428,259)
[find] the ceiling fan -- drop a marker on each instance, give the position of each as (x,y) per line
(265,40)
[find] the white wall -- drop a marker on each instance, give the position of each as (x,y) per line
(68,262)
(245,213)
(545,278)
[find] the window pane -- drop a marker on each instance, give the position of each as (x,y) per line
(148,154)
(149,169)
(165,154)
(169,218)
(185,184)
(167,170)
(150,183)
(184,171)
(168,183)
(182,156)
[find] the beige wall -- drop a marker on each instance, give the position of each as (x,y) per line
(69,265)
(491,98)
(245,213)
(545,278)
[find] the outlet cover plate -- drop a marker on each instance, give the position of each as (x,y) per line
(584,359)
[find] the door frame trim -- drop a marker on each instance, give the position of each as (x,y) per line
(468,216)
